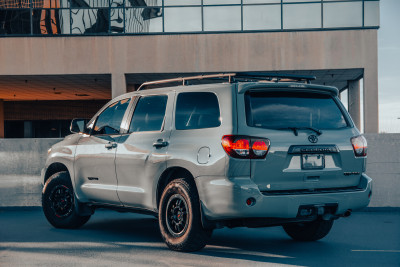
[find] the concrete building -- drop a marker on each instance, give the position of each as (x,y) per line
(61,59)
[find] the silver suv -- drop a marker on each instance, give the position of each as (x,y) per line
(254,151)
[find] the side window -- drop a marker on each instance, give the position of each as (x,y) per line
(109,121)
(149,114)
(196,111)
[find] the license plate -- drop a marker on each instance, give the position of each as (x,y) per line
(312,161)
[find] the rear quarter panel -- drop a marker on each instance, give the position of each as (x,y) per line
(185,145)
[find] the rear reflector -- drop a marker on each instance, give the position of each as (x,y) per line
(245,147)
(251,201)
(359,144)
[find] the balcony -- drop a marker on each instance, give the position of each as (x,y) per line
(130,17)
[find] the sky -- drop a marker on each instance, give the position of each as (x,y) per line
(389,66)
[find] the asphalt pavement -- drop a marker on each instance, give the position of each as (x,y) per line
(125,239)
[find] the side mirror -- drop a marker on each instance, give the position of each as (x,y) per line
(78,125)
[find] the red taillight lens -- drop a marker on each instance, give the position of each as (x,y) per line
(359,146)
(238,146)
(260,147)
(241,147)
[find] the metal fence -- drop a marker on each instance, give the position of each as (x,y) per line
(124,17)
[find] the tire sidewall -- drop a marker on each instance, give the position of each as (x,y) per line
(72,220)
(172,189)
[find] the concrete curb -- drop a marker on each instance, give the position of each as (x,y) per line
(21,208)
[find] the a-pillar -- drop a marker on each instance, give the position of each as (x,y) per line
(1,118)
(118,84)
(354,101)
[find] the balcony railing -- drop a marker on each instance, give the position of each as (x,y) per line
(125,17)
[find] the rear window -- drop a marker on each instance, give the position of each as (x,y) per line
(276,110)
(197,110)
(149,114)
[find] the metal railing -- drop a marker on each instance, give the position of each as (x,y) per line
(126,17)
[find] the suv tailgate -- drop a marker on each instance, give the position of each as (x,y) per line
(310,141)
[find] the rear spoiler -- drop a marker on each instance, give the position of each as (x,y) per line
(260,86)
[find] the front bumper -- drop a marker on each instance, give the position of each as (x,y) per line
(224,198)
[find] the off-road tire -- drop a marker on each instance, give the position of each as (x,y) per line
(180,218)
(58,202)
(308,231)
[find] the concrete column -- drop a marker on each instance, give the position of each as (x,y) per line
(371,104)
(118,84)
(354,102)
(1,118)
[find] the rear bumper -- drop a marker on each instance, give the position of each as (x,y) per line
(224,198)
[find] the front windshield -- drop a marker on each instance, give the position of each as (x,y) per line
(276,110)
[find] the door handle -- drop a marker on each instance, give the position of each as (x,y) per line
(160,143)
(111,145)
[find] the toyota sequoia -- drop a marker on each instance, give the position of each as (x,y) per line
(252,151)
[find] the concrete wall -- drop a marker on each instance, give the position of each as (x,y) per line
(384,167)
(199,53)
(22,159)
(311,50)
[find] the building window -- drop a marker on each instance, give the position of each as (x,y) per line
(37,129)
(110,17)
(346,14)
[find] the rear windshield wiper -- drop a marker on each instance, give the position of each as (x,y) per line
(296,130)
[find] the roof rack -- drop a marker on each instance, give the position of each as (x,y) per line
(275,77)
(184,80)
(235,77)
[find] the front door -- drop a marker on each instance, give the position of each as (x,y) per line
(95,156)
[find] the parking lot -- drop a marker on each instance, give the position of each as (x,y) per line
(120,239)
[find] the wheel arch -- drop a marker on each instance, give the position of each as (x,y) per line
(167,176)
(54,168)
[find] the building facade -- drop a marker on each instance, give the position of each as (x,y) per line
(61,59)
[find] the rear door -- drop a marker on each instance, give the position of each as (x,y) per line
(310,140)
(141,153)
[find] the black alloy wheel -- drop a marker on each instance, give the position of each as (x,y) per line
(62,201)
(177,215)
(180,216)
(59,202)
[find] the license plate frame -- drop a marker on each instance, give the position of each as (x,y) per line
(312,161)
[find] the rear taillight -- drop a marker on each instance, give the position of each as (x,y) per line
(245,147)
(359,146)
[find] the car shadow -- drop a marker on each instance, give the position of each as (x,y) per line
(109,231)
(263,245)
